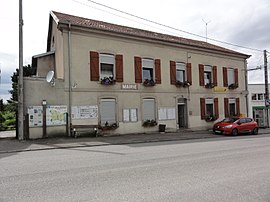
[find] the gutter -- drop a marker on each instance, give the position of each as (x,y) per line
(69,77)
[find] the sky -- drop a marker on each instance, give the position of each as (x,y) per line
(240,22)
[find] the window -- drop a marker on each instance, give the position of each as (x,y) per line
(107,63)
(180,72)
(232,107)
(254,96)
(107,112)
(207,75)
(209,106)
(149,112)
(148,69)
(260,96)
(231,77)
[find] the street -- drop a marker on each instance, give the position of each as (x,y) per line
(221,169)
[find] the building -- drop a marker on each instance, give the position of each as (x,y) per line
(257,107)
(128,80)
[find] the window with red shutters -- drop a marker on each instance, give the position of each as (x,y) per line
(94,66)
(119,68)
(189,73)
(157,71)
(201,74)
(138,69)
(173,72)
(202,104)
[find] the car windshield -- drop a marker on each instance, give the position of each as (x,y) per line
(229,120)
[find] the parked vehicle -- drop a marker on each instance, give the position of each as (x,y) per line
(236,125)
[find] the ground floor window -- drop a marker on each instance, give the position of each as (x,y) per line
(107,112)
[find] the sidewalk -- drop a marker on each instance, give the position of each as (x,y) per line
(11,145)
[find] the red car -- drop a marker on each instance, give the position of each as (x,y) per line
(236,125)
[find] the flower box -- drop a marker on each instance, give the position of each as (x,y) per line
(182,84)
(108,126)
(233,86)
(149,82)
(210,118)
(209,85)
(107,81)
(149,123)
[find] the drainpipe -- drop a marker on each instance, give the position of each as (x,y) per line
(246,87)
(69,77)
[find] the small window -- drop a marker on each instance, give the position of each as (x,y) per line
(148,69)
(254,96)
(260,96)
(209,107)
(107,64)
(180,72)
(231,77)
(207,74)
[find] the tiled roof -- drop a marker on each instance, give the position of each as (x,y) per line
(99,25)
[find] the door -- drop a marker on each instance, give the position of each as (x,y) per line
(259,116)
(181,116)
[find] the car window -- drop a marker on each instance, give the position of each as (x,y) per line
(248,120)
(229,120)
(242,120)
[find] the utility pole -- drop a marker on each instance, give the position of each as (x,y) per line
(20,86)
(206,23)
(266,87)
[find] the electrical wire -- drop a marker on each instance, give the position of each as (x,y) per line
(170,27)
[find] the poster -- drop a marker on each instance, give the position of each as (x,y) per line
(56,115)
(166,113)
(84,112)
(35,116)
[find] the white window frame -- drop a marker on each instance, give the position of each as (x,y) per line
(231,76)
(106,59)
(209,101)
(148,63)
(145,118)
(208,69)
(180,66)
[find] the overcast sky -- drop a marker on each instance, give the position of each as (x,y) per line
(241,22)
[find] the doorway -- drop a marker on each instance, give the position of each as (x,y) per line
(182,113)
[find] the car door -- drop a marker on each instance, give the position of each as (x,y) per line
(241,125)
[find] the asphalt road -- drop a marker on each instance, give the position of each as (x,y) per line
(223,169)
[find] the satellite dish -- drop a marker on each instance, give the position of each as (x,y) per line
(50,79)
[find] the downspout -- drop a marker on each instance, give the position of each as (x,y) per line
(246,87)
(69,77)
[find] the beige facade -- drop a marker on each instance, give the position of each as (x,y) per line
(177,107)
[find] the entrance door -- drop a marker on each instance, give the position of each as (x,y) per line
(260,117)
(182,115)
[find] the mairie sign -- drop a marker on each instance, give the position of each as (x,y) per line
(218,89)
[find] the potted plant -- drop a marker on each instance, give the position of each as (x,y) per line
(108,126)
(149,123)
(233,86)
(149,82)
(210,118)
(107,81)
(209,85)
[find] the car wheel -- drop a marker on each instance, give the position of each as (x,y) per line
(255,131)
(234,132)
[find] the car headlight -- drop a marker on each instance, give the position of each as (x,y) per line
(228,126)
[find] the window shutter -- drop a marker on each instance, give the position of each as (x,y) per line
(107,112)
(173,72)
(157,71)
(201,74)
(189,75)
(226,107)
(149,109)
(225,77)
(94,66)
(216,107)
(119,68)
(138,69)
(237,107)
(202,102)
(215,75)
(236,76)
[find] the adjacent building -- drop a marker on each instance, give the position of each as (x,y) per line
(128,80)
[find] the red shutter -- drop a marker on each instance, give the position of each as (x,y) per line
(215,75)
(189,75)
(138,69)
(236,77)
(225,77)
(216,107)
(201,74)
(173,72)
(226,107)
(157,71)
(202,103)
(119,68)
(94,66)
(237,107)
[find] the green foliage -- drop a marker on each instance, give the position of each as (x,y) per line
(7,120)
